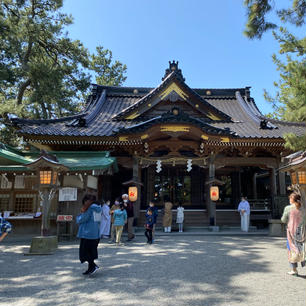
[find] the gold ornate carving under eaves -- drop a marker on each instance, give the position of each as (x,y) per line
(175,88)
(174,128)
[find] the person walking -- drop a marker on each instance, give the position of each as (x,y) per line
(89,232)
(5,228)
(120,218)
(244,209)
(149,225)
(111,212)
(129,207)
(167,218)
(294,217)
(180,217)
(105,220)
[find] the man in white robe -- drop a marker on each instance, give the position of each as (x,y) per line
(105,221)
(244,209)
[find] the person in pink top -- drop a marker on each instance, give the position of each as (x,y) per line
(294,216)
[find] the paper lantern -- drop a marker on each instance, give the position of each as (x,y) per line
(214,193)
(133,193)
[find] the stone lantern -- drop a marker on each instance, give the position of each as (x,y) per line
(47,168)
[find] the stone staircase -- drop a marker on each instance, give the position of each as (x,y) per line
(198,218)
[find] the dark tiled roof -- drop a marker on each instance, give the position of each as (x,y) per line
(173,76)
(179,118)
(108,101)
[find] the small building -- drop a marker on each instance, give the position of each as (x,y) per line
(20,199)
(175,141)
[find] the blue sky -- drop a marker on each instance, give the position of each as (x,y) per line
(205,36)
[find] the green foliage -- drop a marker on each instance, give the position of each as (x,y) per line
(106,72)
(44,73)
(295,143)
(289,103)
(257,11)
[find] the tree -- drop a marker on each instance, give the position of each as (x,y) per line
(290,101)
(257,11)
(106,72)
(43,73)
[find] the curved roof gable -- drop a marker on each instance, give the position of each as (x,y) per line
(173,88)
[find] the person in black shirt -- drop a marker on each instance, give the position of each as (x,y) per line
(149,225)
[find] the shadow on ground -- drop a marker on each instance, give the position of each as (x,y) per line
(174,271)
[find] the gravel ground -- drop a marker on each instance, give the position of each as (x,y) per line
(177,270)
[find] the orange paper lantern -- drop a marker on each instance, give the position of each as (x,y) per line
(133,193)
(214,193)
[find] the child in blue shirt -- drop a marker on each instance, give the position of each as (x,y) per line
(120,218)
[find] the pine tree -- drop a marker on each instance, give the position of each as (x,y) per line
(290,101)
(43,73)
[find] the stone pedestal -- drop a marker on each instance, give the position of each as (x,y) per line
(277,228)
(213,228)
(43,245)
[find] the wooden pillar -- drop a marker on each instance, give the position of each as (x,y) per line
(211,207)
(137,178)
(255,185)
(106,189)
(273,189)
(100,187)
(239,184)
(282,183)
(236,187)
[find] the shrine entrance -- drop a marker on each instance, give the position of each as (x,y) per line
(177,183)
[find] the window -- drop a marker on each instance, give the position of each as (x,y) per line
(5,183)
(4,202)
(30,182)
(24,203)
(19,182)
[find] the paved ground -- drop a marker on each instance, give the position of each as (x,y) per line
(212,270)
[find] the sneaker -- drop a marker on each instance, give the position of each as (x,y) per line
(86,272)
(292,272)
(94,270)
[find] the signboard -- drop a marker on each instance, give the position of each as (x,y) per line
(92,182)
(68,194)
(64,218)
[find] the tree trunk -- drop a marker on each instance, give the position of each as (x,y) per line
(21,91)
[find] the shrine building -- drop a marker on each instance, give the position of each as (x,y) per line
(177,141)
